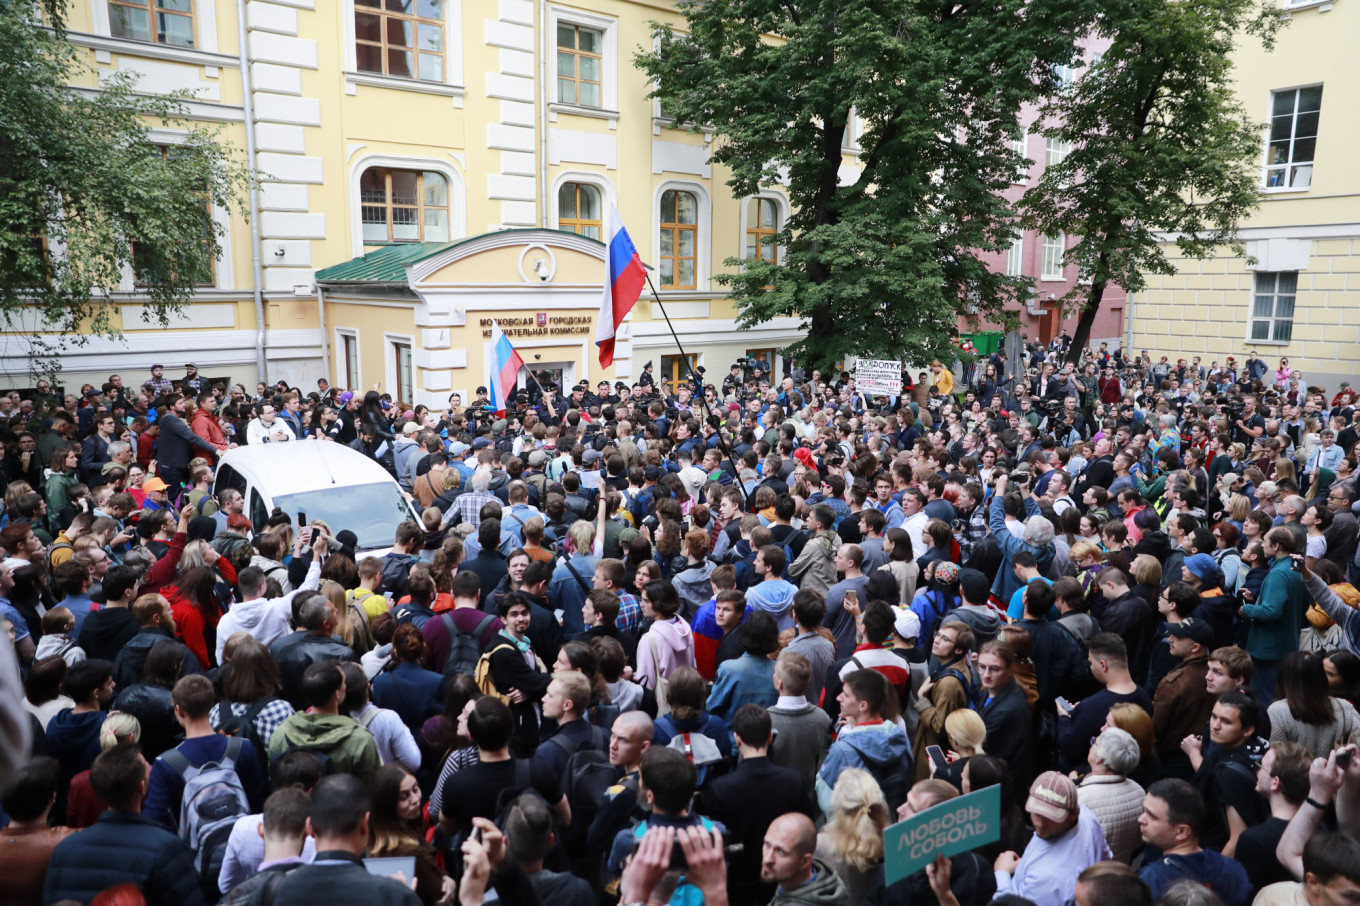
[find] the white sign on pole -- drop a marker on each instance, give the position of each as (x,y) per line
(878,377)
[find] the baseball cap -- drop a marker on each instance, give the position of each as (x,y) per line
(1191,628)
(1053,796)
(346,397)
(1203,566)
(907,624)
(481,443)
(974,586)
(458,448)
(409,428)
(537,458)
(191,365)
(154,484)
(652,473)
(591,456)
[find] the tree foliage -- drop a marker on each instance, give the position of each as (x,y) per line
(881,265)
(1161,145)
(82,184)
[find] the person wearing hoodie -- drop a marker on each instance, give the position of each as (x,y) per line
(73,735)
(815,566)
(1037,539)
(323,729)
(268,558)
(694,583)
(865,740)
(772,594)
(404,451)
(111,627)
(788,860)
(974,610)
(264,618)
(669,643)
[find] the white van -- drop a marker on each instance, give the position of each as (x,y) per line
(320,480)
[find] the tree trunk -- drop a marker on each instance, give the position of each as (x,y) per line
(1084,323)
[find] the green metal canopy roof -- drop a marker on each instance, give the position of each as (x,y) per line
(387,265)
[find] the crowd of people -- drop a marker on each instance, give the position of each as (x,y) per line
(699,643)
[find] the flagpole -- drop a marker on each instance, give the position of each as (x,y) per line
(703,395)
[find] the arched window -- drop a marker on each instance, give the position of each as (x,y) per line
(762,225)
(404,205)
(679,239)
(578,209)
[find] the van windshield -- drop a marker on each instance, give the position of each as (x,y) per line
(371,511)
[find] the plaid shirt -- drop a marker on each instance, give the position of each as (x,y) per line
(160,386)
(630,612)
(469,506)
(270,718)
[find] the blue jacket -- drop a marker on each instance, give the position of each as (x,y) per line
(567,594)
(123,847)
(73,740)
(1225,877)
(747,680)
(775,598)
(412,691)
(1277,613)
(877,747)
(1006,583)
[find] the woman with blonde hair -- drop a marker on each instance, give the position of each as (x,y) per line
(852,839)
(966,733)
(1146,572)
(83,805)
(1132,719)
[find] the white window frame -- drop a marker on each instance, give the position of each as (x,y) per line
(1020,145)
(391,367)
(1015,255)
(205,26)
(781,204)
(1065,74)
(1056,151)
(703,247)
(1266,166)
(447,169)
(609,63)
(341,334)
(854,127)
(452,86)
(1046,244)
(1274,319)
(607,195)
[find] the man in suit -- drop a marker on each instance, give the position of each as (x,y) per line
(750,798)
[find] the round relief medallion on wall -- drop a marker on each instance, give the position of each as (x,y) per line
(537,264)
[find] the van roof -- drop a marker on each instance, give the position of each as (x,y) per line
(305,465)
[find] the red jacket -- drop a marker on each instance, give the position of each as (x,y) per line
(1110,391)
(206,427)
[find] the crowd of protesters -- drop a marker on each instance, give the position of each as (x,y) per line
(698,643)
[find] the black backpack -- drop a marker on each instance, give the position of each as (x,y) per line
(895,782)
(586,778)
(465,648)
(244,727)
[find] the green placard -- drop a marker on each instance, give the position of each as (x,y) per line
(946,829)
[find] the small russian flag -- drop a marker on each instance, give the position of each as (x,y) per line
(624,277)
(505,366)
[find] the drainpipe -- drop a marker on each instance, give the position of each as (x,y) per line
(256,264)
(543,113)
(325,338)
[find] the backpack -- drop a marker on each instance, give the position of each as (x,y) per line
(465,648)
(934,612)
(586,777)
(244,726)
(482,675)
(702,752)
(213,799)
(407,613)
(894,780)
(395,574)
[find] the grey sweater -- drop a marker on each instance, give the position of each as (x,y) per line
(802,737)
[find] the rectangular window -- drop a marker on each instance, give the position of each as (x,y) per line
(1293,138)
(350,357)
(1272,313)
(1053,257)
(158,21)
(679,236)
(401,356)
(762,228)
(1015,255)
(1064,76)
(402,38)
(1055,150)
(580,65)
(677,369)
(168,155)
(1020,145)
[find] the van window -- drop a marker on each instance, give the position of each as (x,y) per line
(259,513)
(371,511)
(227,477)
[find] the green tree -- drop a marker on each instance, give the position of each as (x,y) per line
(883,265)
(86,196)
(1160,145)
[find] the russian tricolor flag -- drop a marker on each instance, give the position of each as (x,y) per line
(624,277)
(505,366)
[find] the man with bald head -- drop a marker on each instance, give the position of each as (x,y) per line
(787,860)
(629,738)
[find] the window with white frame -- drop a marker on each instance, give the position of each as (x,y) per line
(1293,138)
(1064,75)
(405,374)
(580,65)
(1056,150)
(158,21)
(401,38)
(1015,255)
(1053,257)
(1020,145)
(1272,312)
(403,205)
(349,359)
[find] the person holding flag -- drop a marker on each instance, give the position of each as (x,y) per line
(505,365)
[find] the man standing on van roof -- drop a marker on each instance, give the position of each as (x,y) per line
(176,446)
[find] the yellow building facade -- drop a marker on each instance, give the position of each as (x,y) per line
(465,152)
(1297,294)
